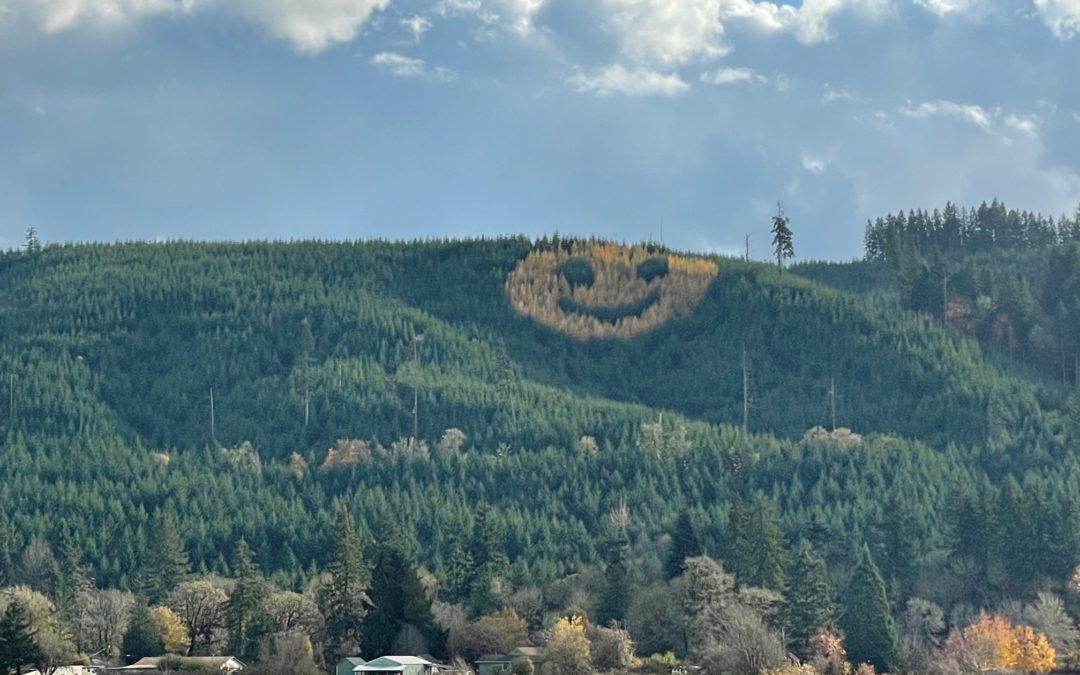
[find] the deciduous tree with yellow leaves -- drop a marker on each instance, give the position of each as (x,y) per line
(992,643)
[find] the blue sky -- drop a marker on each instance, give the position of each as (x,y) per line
(629,119)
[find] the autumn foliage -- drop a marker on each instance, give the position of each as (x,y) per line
(992,643)
(538,288)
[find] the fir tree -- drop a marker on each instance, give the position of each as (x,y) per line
(166,561)
(756,548)
(244,612)
(868,623)
(398,600)
(343,599)
(616,596)
(684,544)
(489,561)
(808,604)
(17,644)
(142,638)
(782,238)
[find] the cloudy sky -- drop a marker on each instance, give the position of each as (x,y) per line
(630,119)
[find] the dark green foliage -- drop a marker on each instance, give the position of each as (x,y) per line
(17,645)
(398,600)
(108,354)
(783,246)
(578,272)
(869,629)
(343,599)
(684,544)
(617,593)
(488,561)
(245,617)
(141,638)
(755,550)
(610,314)
(808,603)
(165,561)
(653,268)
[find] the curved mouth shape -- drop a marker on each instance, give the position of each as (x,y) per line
(595,290)
(610,314)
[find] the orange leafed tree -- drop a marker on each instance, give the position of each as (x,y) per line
(992,643)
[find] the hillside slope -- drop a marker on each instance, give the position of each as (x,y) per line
(109,354)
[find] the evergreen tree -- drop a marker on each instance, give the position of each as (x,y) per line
(244,615)
(398,601)
(17,644)
(783,247)
(343,599)
(868,624)
(616,595)
(684,544)
(899,534)
(33,243)
(165,558)
(756,549)
(489,561)
(142,638)
(808,603)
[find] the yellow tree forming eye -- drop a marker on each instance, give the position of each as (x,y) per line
(630,290)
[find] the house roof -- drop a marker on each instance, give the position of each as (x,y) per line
(354,660)
(389,663)
(152,662)
(532,652)
(494,658)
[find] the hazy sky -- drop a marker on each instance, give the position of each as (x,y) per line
(252,119)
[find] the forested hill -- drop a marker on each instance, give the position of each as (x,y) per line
(210,380)
(306,343)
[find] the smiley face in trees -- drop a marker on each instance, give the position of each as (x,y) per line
(600,290)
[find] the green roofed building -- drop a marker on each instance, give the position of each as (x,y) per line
(345,666)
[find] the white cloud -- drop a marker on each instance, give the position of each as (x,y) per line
(417,25)
(815,165)
(830,95)
(723,76)
(945,7)
(310,26)
(618,80)
(1062,16)
(991,120)
(974,114)
(809,22)
(514,16)
(675,32)
(54,16)
(668,32)
(400,65)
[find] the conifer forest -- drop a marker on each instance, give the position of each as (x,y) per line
(641,459)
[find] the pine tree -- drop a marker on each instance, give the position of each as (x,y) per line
(868,623)
(142,638)
(808,604)
(782,239)
(165,559)
(244,612)
(343,600)
(17,644)
(756,548)
(33,243)
(489,561)
(398,600)
(684,544)
(616,596)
